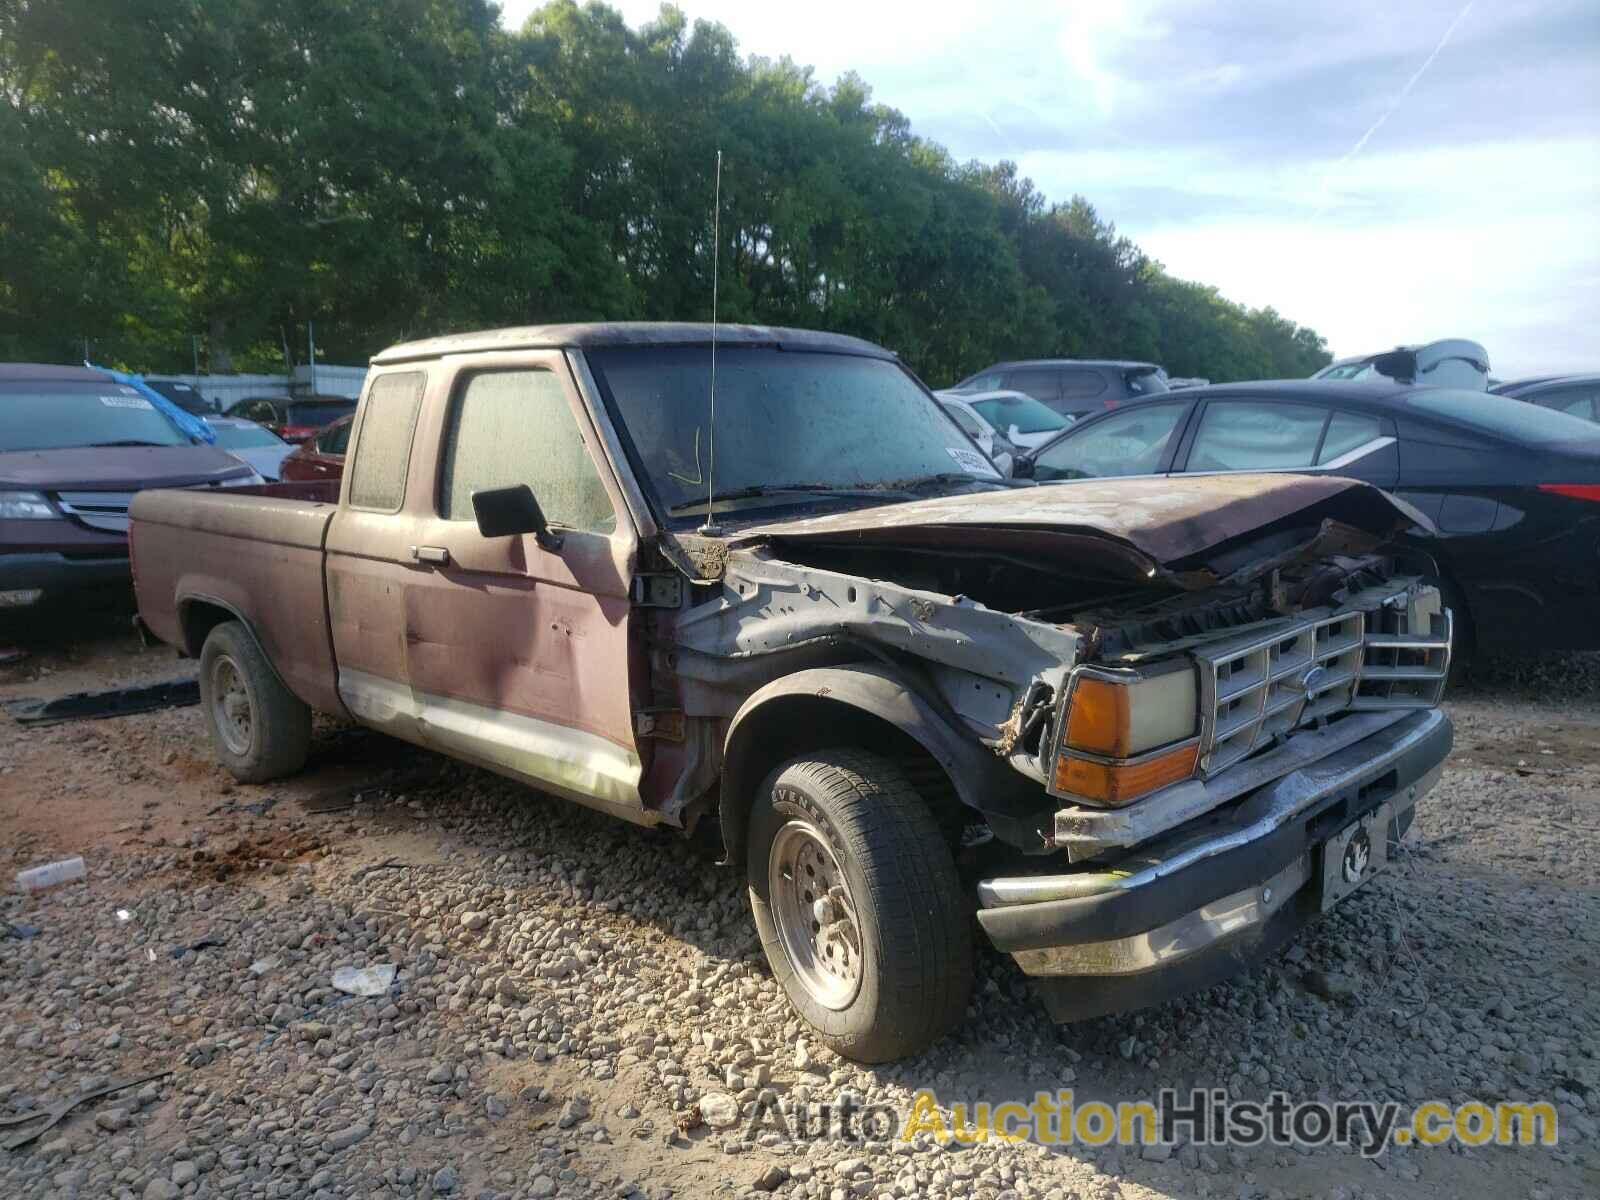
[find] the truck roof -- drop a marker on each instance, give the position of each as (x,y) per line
(627,333)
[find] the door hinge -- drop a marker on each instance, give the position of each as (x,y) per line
(658,591)
(664,723)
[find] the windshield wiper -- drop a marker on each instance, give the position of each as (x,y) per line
(792,489)
(924,483)
(124,442)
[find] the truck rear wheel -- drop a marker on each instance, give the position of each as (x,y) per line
(260,729)
(859,908)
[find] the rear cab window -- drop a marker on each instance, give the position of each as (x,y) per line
(383,446)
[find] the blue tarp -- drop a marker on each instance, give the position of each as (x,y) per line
(186,423)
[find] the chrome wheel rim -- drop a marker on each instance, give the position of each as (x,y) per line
(230,705)
(815,914)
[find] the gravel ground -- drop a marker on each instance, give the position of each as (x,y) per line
(581,1007)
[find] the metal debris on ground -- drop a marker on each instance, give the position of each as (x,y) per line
(328,802)
(206,943)
(365,981)
(36,879)
(55,1114)
(94,706)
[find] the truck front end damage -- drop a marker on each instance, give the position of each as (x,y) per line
(1192,719)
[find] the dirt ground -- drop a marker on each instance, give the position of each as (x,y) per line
(571,989)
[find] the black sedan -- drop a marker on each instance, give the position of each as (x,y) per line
(1577,395)
(1512,488)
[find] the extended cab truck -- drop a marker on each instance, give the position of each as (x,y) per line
(1166,722)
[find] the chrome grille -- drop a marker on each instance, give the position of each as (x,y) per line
(106,511)
(1260,686)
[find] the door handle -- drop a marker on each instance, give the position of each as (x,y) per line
(437,555)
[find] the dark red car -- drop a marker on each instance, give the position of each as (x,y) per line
(320,456)
(75,446)
(294,420)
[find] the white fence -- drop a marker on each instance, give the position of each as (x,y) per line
(321,380)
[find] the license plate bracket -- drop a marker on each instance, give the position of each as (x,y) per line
(1354,855)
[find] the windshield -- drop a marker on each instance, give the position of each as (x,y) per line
(320,413)
(784,419)
(243,437)
(1026,413)
(59,416)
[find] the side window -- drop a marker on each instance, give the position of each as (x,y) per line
(1080,384)
(1347,432)
(388,420)
(1132,441)
(1246,435)
(335,440)
(1038,382)
(964,418)
(1577,404)
(510,427)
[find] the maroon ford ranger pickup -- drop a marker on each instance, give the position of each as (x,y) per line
(74,447)
(1135,731)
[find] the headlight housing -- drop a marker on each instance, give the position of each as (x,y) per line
(1122,734)
(250,480)
(26,506)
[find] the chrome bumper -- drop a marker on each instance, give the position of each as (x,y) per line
(1241,869)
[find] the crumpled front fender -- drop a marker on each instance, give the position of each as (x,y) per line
(869,706)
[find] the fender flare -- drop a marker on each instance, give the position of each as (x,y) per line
(191,598)
(859,694)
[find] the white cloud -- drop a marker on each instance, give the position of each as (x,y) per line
(1217,134)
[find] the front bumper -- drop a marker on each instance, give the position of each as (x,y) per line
(1204,900)
(44,573)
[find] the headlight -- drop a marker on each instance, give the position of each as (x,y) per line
(250,480)
(26,506)
(1124,734)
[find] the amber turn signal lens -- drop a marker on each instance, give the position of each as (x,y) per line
(1098,718)
(1123,783)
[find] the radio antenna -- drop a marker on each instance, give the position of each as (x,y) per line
(711,528)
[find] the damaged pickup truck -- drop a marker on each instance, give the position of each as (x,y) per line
(1141,729)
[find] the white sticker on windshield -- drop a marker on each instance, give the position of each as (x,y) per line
(972,462)
(125,402)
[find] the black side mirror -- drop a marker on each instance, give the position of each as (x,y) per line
(1022,467)
(503,512)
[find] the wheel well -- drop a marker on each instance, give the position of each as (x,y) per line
(788,726)
(198,619)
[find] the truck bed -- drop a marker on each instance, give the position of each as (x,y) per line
(251,553)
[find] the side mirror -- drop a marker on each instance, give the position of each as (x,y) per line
(1022,468)
(503,512)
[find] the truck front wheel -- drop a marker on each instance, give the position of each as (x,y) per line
(857,901)
(260,729)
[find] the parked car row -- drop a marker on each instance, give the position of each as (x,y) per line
(1512,490)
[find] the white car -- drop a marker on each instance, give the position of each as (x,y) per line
(1454,362)
(1007,421)
(256,445)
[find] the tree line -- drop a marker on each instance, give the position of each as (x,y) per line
(386,169)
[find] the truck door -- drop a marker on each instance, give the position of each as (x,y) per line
(368,557)
(518,656)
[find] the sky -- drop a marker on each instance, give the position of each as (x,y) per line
(1385,171)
